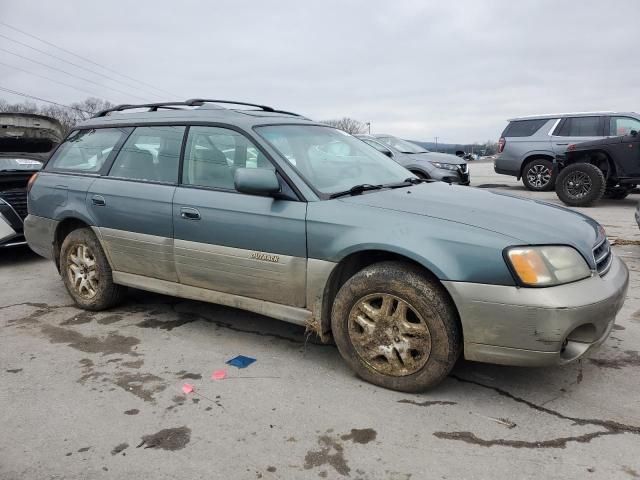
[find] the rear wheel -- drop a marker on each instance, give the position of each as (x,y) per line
(86,272)
(537,175)
(580,184)
(396,328)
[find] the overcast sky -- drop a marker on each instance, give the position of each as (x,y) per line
(453,69)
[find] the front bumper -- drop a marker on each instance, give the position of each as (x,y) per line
(460,176)
(10,227)
(539,326)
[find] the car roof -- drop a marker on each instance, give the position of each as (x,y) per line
(570,114)
(182,112)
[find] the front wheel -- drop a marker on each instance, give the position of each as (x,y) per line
(86,272)
(396,327)
(580,184)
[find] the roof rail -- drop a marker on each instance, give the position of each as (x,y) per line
(266,108)
(153,107)
(193,102)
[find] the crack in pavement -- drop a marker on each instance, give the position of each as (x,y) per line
(610,427)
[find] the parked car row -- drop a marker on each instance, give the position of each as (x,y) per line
(270,212)
(584,156)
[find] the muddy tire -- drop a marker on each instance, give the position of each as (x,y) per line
(538,176)
(86,272)
(396,327)
(580,184)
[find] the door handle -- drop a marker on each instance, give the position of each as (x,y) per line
(98,200)
(189,213)
(562,144)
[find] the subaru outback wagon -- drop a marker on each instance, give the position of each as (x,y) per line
(270,212)
(529,145)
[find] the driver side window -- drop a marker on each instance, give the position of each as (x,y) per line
(619,126)
(213,154)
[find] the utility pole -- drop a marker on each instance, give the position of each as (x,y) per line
(369,127)
(436,138)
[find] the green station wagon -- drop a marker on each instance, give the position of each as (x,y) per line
(268,211)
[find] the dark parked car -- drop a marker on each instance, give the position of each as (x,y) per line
(609,168)
(25,142)
(419,161)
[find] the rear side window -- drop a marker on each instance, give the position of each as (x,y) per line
(150,154)
(86,150)
(523,128)
(580,127)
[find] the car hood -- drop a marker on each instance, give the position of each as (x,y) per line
(526,221)
(435,157)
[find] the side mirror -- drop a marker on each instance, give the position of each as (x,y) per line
(256,181)
(388,153)
(633,133)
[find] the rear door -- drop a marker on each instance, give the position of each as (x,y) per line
(131,206)
(576,130)
(230,242)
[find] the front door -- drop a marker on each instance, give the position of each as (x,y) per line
(131,206)
(626,149)
(247,245)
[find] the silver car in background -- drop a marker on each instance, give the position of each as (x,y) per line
(421,162)
(528,146)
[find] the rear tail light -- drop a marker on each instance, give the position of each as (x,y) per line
(571,147)
(501,143)
(31,180)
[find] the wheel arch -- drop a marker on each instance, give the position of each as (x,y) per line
(351,264)
(64,228)
(531,156)
(594,157)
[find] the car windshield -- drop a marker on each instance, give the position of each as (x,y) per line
(402,145)
(19,164)
(330,159)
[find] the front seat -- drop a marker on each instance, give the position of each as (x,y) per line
(211,169)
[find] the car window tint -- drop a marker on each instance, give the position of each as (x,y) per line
(580,127)
(619,126)
(523,128)
(150,154)
(86,150)
(213,154)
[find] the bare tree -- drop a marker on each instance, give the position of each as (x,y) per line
(347,124)
(67,116)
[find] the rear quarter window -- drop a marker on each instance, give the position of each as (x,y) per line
(86,150)
(523,128)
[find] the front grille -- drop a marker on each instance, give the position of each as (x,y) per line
(17,198)
(603,257)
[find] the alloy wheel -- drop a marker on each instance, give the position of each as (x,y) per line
(389,334)
(578,184)
(539,176)
(82,271)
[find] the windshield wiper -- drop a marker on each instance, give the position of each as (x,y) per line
(356,190)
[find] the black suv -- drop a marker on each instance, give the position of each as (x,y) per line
(608,168)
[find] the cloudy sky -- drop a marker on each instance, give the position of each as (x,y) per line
(417,69)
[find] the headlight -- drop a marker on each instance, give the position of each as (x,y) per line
(547,266)
(445,166)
